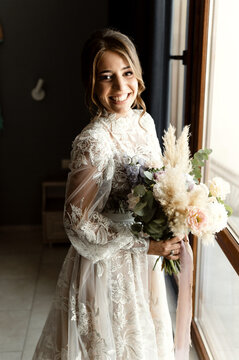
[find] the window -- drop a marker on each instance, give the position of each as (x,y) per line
(223,111)
(217,285)
(178,44)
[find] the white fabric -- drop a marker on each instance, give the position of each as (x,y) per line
(109,304)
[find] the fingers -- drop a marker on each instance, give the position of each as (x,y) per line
(173,255)
(170,257)
(174,240)
(172,248)
(168,248)
(171,245)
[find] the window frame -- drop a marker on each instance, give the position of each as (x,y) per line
(199,12)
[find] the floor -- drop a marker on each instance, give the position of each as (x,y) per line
(28,275)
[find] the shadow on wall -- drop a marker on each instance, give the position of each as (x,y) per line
(42,39)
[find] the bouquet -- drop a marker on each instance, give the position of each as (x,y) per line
(169,201)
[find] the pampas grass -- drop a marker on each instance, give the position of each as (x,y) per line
(177,198)
(176,152)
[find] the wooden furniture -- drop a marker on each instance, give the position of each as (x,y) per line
(53,197)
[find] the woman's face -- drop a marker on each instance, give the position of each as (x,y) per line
(116,85)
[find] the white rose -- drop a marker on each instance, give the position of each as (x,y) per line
(219,187)
(157,191)
(217,216)
(204,188)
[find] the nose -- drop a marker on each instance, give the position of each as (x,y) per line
(118,83)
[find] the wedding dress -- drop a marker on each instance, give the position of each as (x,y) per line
(109,303)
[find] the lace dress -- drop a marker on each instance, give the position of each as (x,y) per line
(109,304)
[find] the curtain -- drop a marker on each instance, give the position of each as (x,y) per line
(148,24)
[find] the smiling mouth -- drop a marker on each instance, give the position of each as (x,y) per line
(120,99)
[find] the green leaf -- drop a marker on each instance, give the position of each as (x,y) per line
(149,198)
(139,190)
(198,156)
(205,151)
(150,209)
(139,208)
(228,209)
(160,221)
(198,173)
(148,214)
(148,175)
(155,229)
(198,161)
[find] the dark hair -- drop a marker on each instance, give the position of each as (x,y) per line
(99,42)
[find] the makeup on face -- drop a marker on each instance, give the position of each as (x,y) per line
(116,85)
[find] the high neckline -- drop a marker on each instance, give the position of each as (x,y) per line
(113,116)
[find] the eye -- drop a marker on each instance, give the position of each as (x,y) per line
(128,73)
(105,77)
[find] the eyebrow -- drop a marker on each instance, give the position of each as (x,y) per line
(107,71)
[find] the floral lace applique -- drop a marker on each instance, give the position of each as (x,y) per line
(91,145)
(120,290)
(106,274)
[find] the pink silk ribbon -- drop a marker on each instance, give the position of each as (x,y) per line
(182,339)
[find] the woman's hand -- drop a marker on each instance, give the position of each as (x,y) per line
(170,249)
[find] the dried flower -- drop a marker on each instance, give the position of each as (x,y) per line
(132,200)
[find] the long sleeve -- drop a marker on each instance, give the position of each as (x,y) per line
(94,236)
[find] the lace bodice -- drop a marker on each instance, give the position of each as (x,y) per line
(113,305)
(108,138)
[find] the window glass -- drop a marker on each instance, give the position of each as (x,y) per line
(223,110)
(177,69)
(217,283)
(217,311)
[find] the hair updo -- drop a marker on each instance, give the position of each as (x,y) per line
(99,42)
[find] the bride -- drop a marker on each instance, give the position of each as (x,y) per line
(109,303)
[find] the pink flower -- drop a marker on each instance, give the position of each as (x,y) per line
(196,220)
(158,174)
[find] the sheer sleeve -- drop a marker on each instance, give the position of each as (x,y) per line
(93,235)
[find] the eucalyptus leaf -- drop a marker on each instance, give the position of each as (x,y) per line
(155,230)
(149,198)
(199,156)
(149,210)
(148,175)
(198,161)
(139,208)
(160,221)
(148,214)
(139,190)
(228,209)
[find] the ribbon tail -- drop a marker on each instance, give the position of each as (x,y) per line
(182,340)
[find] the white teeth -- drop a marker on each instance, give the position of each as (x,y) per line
(119,98)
